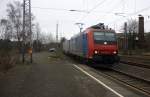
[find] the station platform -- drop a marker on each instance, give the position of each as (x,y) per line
(57,78)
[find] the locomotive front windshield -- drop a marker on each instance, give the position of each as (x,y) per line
(104,36)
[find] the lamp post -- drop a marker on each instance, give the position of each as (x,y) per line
(125,39)
(80,25)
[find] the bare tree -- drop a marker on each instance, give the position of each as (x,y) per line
(132,33)
(15,19)
(5,29)
(38,31)
(132,26)
(36,37)
(14,11)
(3,26)
(15,14)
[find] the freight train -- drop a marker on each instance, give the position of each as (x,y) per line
(96,43)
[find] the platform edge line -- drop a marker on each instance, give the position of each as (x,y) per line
(100,82)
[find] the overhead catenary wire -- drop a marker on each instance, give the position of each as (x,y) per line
(60,9)
(144,9)
(85,4)
(56,9)
(97,6)
(115,6)
(100,3)
(132,14)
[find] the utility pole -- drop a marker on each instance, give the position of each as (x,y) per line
(57,32)
(125,37)
(57,41)
(31,59)
(23,40)
(27,31)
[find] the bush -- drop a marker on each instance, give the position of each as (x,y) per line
(8,54)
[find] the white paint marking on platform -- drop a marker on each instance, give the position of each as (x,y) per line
(100,82)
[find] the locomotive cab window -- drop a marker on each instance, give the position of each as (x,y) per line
(110,36)
(100,37)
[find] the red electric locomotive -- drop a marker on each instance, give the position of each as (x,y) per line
(96,43)
(102,44)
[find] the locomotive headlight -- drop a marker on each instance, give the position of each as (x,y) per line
(115,52)
(96,52)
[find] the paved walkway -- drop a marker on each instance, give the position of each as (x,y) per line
(54,79)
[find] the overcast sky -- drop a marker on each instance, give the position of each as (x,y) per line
(90,12)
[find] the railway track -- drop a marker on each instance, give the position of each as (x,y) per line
(136,64)
(127,80)
(136,61)
(142,57)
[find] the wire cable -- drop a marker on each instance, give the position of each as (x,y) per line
(100,3)
(131,14)
(114,7)
(57,9)
(144,9)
